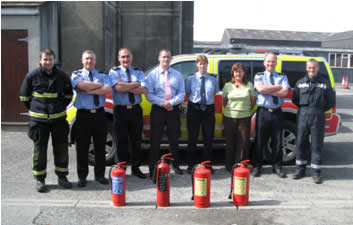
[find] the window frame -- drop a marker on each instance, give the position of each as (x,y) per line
(333,62)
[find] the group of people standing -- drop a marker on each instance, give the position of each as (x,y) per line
(47,91)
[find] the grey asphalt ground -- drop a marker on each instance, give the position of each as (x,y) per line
(272,200)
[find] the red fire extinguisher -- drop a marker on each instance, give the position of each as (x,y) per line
(240,183)
(161,177)
(117,183)
(201,184)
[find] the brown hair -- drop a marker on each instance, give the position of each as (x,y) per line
(202,58)
(239,66)
(46,51)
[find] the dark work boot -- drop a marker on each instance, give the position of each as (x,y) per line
(317,178)
(256,172)
(40,186)
(299,174)
(63,182)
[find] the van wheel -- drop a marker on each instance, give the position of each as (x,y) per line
(109,150)
(289,138)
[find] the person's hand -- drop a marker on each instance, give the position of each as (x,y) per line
(166,104)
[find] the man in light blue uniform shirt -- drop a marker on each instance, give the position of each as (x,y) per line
(201,88)
(166,90)
(91,88)
(271,89)
(128,85)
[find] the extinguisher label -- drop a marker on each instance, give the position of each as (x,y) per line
(163,181)
(240,185)
(201,186)
(117,185)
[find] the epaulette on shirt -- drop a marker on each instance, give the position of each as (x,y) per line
(260,73)
(77,71)
(115,68)
(135,68)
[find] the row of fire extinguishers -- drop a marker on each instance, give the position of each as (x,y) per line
(201,183)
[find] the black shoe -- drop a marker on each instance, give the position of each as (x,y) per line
(40,186)
(189,169)
(279,172)
(82,182)
(299,174)
(63,182)
(256,172)
(317,179)
(102,180)
(137,172)
(177,170)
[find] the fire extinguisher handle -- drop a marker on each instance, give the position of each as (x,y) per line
(165,157)
(246,164)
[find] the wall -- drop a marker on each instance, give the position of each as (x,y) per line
(81,29)
(147,27)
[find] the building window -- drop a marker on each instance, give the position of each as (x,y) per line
(340,60)
(332,58)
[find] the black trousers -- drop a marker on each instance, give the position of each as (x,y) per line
(161,118)
(310,121)
(127,128)
(268,124)
(196,119)
(39,132)
(237,134)
(91,125)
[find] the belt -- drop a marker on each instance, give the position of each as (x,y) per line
(198,104)
(91,110)
(127,106)
(161,107)
(271,110)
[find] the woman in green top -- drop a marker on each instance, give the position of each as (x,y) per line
(238,99)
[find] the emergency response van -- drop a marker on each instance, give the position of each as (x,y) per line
(294,66)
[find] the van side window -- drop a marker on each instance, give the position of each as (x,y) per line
(251,66)
(185,68)
(297,70)
(258,66)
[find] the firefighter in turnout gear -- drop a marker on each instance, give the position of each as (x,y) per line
(46,92)
(313,95)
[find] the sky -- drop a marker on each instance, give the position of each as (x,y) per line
(211,17)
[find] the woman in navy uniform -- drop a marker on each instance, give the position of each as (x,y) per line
(201,88)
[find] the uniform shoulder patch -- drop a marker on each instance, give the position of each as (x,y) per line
(115,68)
